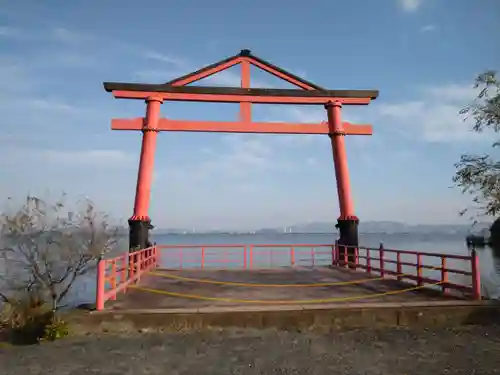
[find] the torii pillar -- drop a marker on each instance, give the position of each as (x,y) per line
(140,223)
(347,223)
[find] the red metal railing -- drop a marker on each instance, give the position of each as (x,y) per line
(115,274)
(400,263)
(423,268)
(245,256)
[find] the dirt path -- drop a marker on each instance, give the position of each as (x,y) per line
(468,350)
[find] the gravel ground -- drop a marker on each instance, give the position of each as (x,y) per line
(466,350)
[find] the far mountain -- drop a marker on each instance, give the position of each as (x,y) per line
(383,227)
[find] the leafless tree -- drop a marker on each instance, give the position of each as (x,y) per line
(45,248)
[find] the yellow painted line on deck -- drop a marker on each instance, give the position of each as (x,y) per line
(327,300)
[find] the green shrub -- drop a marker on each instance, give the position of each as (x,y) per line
(57,329)
(27,321)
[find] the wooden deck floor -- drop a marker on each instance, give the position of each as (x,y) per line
(153,290)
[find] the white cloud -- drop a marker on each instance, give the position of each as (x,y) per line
(153,55)
(14,78)
(241,154)
(30,109)
(242,157)
(228,78)
(52,106)
(452,93)
(302,114)
(41,116)
(56,34)
(11,32)
(224,78)
(64,35)
(434,115)
(158,75)
(409,5)
(428,28)
(96,158)
(401,110)
(67,59)
(77,48)
(311,161)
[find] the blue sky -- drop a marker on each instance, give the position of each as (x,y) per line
(421,54)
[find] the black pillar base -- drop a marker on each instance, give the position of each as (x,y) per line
(138,234)
(348,229)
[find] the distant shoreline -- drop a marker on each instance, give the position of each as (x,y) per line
(295,233)
(318,228)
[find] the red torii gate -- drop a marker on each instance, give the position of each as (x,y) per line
(176,90)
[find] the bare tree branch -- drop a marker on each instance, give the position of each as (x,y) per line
(45,248)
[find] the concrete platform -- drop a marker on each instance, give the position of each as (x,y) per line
(209,291)
(363,304)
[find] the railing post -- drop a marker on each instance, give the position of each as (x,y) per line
(335,253)
(245,257)
(131,265)
(444,274)
(381,259)
(137,267)
(399,266)
(419,269)
(356,257)
(202,257)
(476,276)
(292,255)
(368,261)
(113,279)
(124,268)
(251,256)
(101,284)
(346,258)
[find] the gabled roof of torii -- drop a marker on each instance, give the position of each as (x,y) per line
(178,84)
(248,54)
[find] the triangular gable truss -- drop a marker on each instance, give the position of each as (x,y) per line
(244,57)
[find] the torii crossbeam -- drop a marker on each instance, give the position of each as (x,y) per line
(176,90)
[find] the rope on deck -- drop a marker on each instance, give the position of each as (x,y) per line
(237,283)
(231,300)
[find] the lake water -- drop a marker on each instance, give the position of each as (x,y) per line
(436,243)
